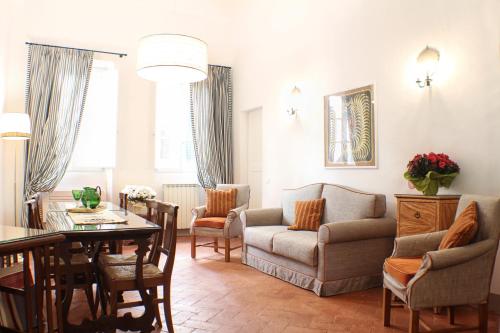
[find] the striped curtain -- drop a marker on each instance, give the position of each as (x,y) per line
(211,120)
(55,96)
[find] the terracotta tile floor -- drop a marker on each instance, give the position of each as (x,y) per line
(210,295)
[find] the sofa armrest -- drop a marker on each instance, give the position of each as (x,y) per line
(417,245)
(347,231)
(261,217)
(458,255)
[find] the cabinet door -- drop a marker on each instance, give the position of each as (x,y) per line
(416,217)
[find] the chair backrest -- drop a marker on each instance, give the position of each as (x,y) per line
(34,220)
(488,208)
(39,203)
(167,213)
(123,200)
(243,195)
(151,205)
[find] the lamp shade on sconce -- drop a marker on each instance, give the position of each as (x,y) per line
(428,60)
(15,126)
(295,101)
(172,58)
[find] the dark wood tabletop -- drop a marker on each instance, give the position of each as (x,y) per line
(135,225)
(12,238)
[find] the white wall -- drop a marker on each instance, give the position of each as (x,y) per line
(325,46)
(331,46)
(113,25)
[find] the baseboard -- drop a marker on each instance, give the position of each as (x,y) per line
(494,303)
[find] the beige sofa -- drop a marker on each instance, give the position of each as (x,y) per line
(346,254)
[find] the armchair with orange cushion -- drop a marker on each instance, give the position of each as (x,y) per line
(220,217)
(446,268)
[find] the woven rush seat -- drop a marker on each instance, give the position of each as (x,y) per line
(125,275)
(76,259)
(106,260)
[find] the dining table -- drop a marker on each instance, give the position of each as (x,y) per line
(92,236)
(63,206)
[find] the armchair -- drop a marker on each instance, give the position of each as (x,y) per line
(220,227)
(448,277)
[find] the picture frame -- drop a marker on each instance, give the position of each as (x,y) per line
(349,122)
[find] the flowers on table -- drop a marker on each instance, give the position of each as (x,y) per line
(139,193)
(428,172)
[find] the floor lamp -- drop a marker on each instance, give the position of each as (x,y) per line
(15,127)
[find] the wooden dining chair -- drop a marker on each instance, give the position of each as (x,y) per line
(130,259)
(83,269)
(16,282)
(34,219)
(121,278)
(117,246)
(123,200)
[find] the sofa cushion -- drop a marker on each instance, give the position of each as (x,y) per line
(343,203)
(402,269)
(262,236)
(290,196)
(298,245)
(211,222)
(308,215)
(463,230)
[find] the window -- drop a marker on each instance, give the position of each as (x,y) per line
(96,143)
(173,136)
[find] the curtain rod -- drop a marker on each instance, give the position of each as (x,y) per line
(220,66)
(75,48)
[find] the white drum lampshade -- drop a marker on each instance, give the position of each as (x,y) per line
(15,126)
(172,58)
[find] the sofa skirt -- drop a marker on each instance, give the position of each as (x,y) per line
(305,276)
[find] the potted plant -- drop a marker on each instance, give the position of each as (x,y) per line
(428,172)
(137,195)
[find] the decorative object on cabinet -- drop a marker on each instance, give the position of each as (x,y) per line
(418,214)
(136,198)
(428,172)
(350,129)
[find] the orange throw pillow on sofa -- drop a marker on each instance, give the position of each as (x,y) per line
(219,203)
(308,215)
(463,230)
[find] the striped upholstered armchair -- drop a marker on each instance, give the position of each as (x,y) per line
(448,277)
(215,227)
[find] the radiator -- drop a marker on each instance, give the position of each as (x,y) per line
(186,196)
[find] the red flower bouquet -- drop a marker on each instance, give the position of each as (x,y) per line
(428,172)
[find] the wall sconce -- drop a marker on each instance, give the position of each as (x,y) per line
(294,101)
(427,62)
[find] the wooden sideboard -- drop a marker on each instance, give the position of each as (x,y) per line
(418,214)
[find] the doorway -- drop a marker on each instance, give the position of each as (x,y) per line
(254,156)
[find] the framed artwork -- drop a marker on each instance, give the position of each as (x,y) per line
(350,129)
